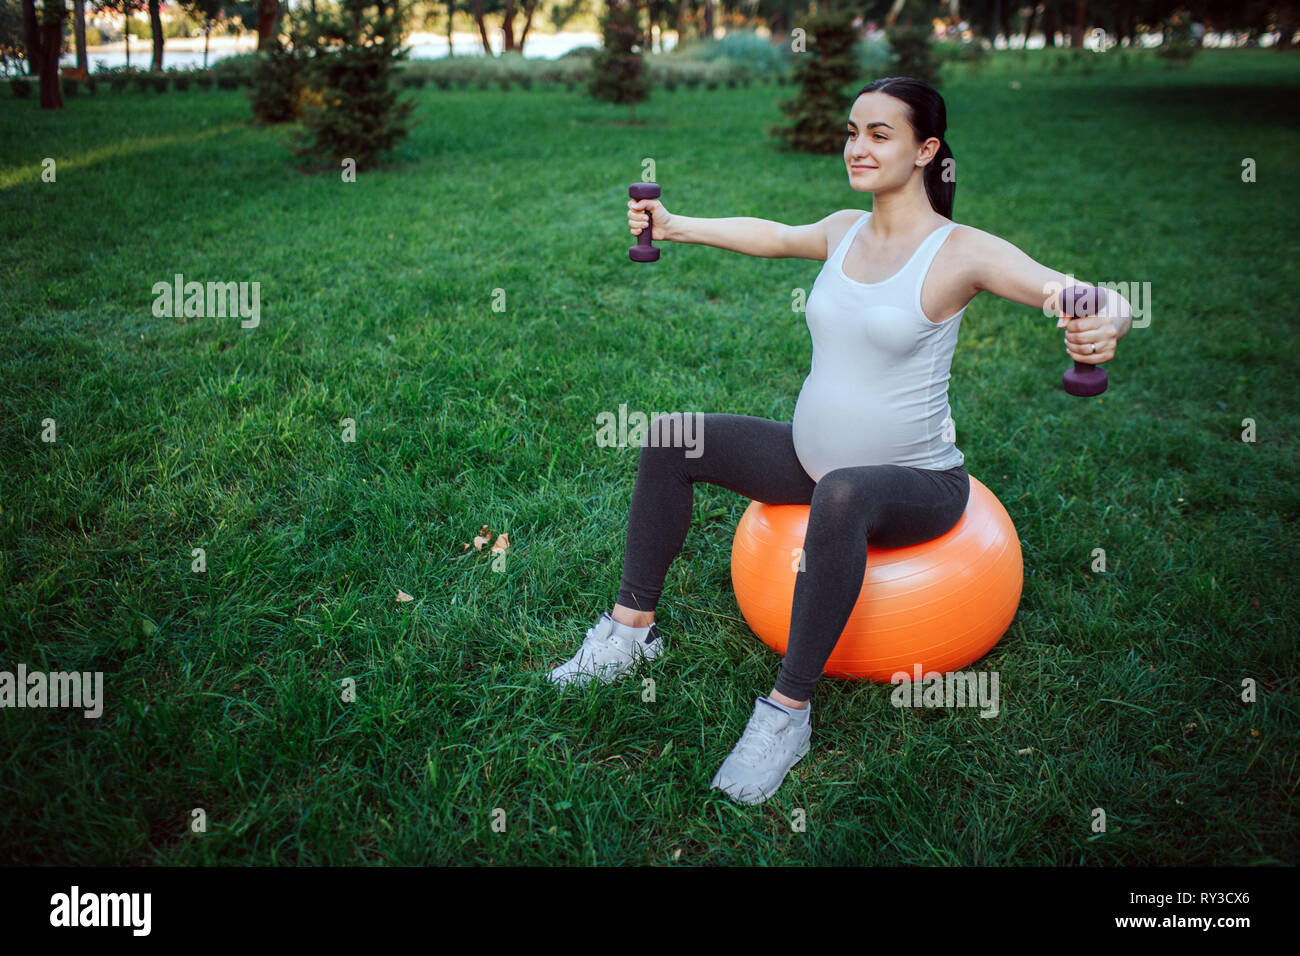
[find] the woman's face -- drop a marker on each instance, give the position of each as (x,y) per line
(881,150)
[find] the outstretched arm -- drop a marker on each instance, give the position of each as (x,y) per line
(1003,269)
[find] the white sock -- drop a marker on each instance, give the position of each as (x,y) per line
(638,634)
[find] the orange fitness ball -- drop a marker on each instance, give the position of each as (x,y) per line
(940,604)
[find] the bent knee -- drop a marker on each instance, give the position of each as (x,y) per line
(838,489)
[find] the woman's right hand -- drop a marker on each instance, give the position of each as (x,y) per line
(637,217)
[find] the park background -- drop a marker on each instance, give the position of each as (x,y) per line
(1117,161)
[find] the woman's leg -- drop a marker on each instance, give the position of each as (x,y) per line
(752,456)
(892,506)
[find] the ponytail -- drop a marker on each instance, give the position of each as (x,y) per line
(941,180)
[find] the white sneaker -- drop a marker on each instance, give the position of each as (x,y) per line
(771,744)
(609,651)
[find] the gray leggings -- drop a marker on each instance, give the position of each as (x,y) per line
(892,505)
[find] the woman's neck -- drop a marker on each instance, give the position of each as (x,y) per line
(894,215)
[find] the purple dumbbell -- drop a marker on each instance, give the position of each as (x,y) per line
(1077,301)
(643,251)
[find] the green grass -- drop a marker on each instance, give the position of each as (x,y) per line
(1120,691)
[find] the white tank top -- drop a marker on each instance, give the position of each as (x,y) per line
(877,386)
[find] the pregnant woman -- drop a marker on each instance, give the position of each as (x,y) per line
(871,445)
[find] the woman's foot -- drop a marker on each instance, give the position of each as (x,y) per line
(775,739)
(609,651)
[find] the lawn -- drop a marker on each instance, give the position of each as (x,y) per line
(224,688)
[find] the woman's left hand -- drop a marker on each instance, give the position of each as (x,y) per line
(1089,339)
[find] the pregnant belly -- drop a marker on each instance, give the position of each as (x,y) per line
(839,427)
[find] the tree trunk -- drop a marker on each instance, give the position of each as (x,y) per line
(155,27)
(508,26)
(776,25)
(1080,23)
(207,32)
(1284,14)
(32,37)
(451,15)
(268,21)
(1004,20)
(79,33)
(708,19)
(1029,26)
(891,18)
(1050,23)
(530,8)
(51,45)
(482,28)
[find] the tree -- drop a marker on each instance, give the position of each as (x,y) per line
(913,53)
(125,8)
(209,12)
(156,34)
(32,36)
(50,39)
(480,10)
(349,107)
(822,73)
(79,34)
(268,22)
(618,73)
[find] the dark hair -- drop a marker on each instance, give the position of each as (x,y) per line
(929,117)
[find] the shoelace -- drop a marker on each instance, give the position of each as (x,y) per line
(759,738)
(593,645)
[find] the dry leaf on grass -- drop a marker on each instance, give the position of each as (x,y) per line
(484,536)
(403,597)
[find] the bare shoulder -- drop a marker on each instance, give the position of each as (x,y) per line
(992,264)
(961,253)
(968,240)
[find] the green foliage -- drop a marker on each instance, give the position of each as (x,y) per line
(232,72)
(618,73)
(119,78)
(757,53)
(349,105)
(823,73)
(973,53)
(276,89)
(874,57)
(914,54)
(1178,46)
